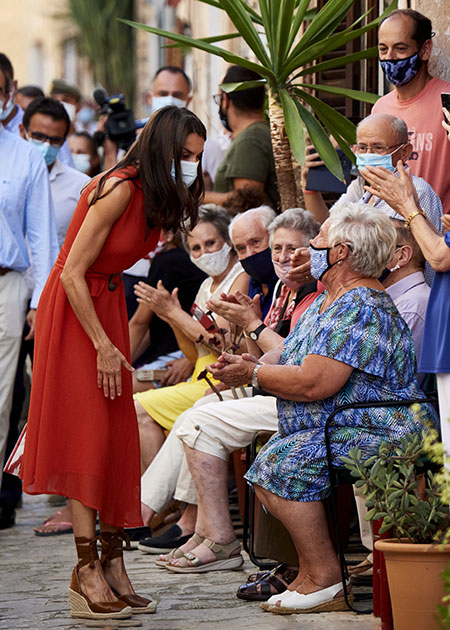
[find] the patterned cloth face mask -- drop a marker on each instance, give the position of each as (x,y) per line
(401,71)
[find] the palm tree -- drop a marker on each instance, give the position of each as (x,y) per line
(103,41)
(286,47)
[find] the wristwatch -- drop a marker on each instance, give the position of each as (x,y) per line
(254,334)
(255,375)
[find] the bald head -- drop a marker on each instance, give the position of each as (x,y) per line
(248,231)
(385,126)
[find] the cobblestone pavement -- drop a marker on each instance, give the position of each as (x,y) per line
(35,572)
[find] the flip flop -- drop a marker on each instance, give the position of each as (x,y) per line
(63,527)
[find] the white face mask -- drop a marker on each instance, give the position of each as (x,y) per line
(214,264)
(158,102)
(82,161)
(70,109)
(189,171)
(6,111)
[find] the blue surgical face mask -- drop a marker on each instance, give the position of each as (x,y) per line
(6,111)
(48,151)
(158,102)
(189,172)
(373,159)
(82,161)
(320,261)
(401,71)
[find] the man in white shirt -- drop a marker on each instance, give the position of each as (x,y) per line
(46,125)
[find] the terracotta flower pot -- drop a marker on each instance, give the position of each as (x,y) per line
(415,583)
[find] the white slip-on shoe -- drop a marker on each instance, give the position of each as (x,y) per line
(273,599)
(325,600)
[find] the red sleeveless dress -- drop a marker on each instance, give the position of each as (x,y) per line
(78,443)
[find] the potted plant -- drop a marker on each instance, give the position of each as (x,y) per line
(407,487)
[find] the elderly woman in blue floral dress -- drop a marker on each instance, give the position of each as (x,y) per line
(351,345)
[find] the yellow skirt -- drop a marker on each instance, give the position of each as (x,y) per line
(165,404)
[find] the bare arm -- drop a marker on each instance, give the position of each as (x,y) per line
(313,199)
(238,182)
(139,331)
(85,249)
(400,194)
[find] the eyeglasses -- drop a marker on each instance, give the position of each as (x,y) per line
(379,149)
(56,141)
(217,98)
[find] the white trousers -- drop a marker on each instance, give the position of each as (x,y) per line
(13,303)
(213,427)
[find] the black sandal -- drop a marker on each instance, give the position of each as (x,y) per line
(268,584)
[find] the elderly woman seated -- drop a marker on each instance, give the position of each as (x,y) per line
(350,345)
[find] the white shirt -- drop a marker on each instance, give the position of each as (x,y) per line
(66,184)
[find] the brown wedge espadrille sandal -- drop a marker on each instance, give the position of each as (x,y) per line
(112,547)
(80,605)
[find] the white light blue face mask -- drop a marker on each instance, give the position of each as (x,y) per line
(189,171)
(82,161)
(48,151)
(6,111)
(373,159)
(158,102)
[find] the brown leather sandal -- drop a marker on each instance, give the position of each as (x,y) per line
(112,547)
(80,605)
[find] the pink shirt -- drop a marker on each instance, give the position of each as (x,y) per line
(431,149)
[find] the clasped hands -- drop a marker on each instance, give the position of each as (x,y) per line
(158,299)
(234,370)
(397,191)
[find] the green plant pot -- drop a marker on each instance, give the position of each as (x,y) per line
(415,583)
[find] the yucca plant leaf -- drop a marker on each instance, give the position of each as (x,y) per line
(369,53)
(294,125)
(357,95)
(301,56)
(268,24)
(300,15)
(331,13)
(321,141)
(253,14)
(202,45)
(282,31)
(243,85)
(238,14)
(332,119)
(209,40)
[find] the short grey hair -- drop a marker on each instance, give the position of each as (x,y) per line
(368,231)
(265,213)
(211,213)
(397,125)
(295,219)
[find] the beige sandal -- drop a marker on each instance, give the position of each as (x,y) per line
(176,553)
(225,560)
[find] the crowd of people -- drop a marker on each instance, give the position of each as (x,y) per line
(180,314)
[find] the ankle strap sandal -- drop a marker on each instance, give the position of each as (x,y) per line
(112,545)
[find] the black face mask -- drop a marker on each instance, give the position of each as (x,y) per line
(384,274)
(260,267)
(224,118)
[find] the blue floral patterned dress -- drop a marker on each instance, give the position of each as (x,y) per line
(364,330)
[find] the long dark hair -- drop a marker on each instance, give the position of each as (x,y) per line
(168,203)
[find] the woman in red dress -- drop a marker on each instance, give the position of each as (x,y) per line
(82,436)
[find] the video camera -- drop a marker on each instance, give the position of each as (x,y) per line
(120,126)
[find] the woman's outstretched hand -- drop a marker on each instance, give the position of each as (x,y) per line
(397,192)
(109,370)
(159,300)
(233,370)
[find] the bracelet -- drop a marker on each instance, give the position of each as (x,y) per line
(411,217)
(254,380)
(309,192)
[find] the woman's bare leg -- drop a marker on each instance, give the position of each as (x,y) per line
(307,525)
(151,436)
(92,580)
(114,571)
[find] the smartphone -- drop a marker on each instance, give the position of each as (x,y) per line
(321,179)
(151,375)
(203,318)
(445,98)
